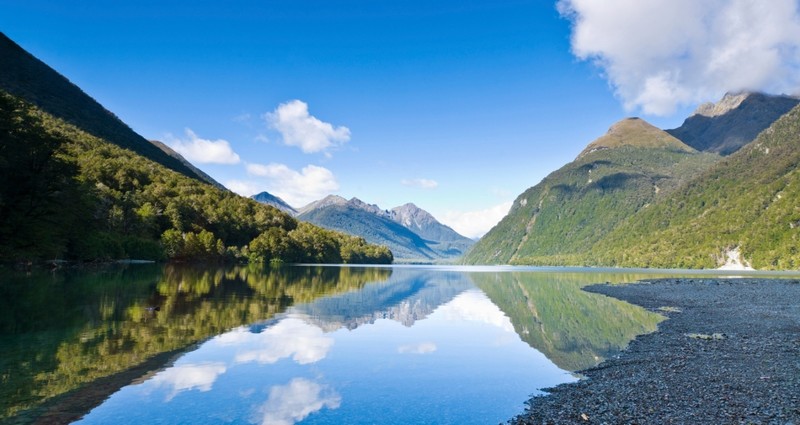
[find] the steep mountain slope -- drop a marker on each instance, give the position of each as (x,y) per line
(573,208)
(30,79)
(270,199)
(748,200)
(424,224)
(732,122)
(412,233)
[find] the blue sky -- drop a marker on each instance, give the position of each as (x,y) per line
(457,106)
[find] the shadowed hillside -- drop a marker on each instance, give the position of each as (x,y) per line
(28,78)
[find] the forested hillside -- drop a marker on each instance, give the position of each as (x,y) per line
(560,219)
(748,200)
(66,194)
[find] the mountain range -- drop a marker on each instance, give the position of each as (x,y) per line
(411,233)
(78,183)
(717,186)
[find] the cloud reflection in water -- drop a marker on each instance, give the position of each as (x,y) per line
(293,402)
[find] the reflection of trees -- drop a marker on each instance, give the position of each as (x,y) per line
(573,328)
(63,331)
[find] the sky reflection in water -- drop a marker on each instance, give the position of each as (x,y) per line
(423,347)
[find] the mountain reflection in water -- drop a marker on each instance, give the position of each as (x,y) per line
(311,344)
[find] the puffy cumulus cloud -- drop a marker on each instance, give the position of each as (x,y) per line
(289,338)
(662,54)
(293,402)
(474,224)
(420,183)
(421,348)
(298,128)
(189,377)
(297,188)
(203,151)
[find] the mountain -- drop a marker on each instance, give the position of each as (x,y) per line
(424,224)
(638,197)
(635,132)
(322,203)
(746,203)
(351,218)
(26,77)
(270,199)
(558,220)
(732,122)
(412,234)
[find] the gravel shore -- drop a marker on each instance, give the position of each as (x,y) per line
(729,354)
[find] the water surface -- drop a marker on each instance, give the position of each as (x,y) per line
(301,344)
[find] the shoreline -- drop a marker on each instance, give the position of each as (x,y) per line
(728,353)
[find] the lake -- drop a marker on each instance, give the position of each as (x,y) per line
(301,344)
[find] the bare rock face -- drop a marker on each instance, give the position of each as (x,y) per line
(724,127)
(728,103)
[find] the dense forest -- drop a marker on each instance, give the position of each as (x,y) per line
(68,195)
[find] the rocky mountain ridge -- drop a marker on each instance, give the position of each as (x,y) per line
(412,233)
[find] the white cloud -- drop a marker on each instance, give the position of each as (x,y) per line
(421,348)
(290,337)
(297,188)
(420,183)
(474,224)
(662,54)
(189,376)
(293,402)
(203,151)
(244,188)
(300,129)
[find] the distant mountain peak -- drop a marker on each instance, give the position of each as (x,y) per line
(635,132)
(275,201)
(411,216)
(726,126)
(324,202)
(728,103)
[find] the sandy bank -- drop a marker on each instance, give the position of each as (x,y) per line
(729,354)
